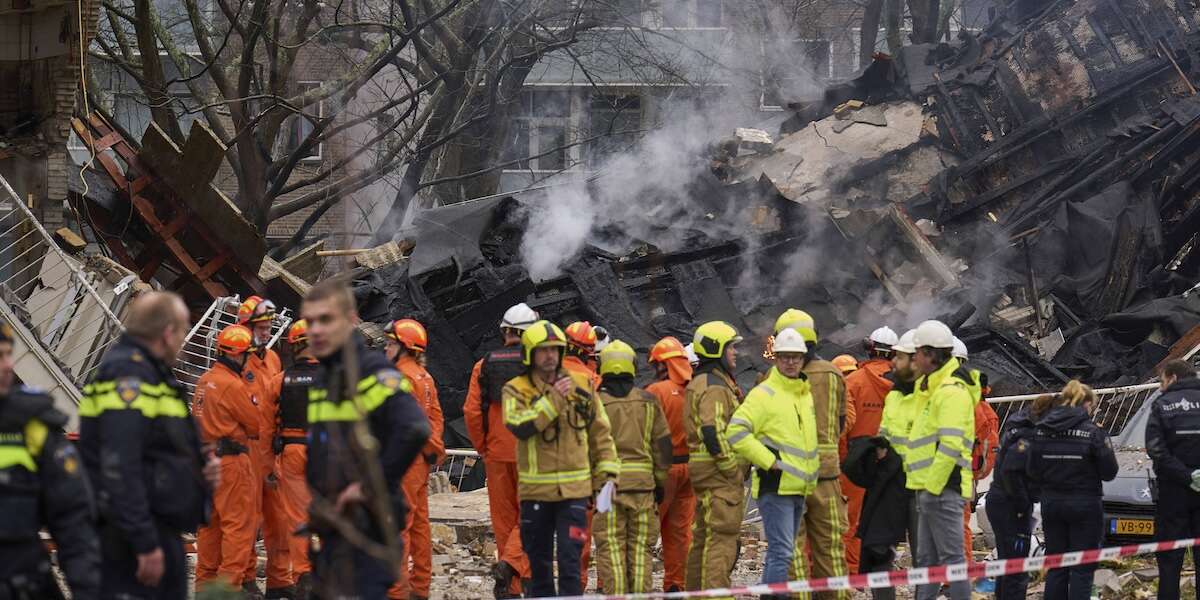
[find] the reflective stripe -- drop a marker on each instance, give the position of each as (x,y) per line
(544,406)
(608,466)
(740,421)
(738,436)
(951,431)
(920,464)
(371,395)
(792,450)
(13,455)
(151,405)
(766,388)
(796,472)
(962,462)
(560,477)
(924,441)
(636,467)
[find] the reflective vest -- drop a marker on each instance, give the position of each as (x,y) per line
(943,434)
(20,449)
(899,410)
(564,444)
(777,422)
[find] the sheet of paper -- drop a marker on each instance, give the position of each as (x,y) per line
(605,497)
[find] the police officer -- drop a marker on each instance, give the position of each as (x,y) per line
(365,429)
(141,449)
(1070,458)
(41,484)
(291,449)
(1173,442)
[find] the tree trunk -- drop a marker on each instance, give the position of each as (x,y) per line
(869,32)
(894,16)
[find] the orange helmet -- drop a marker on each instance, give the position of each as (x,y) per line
(235,340)
(666,348)
(581,335)
(408,333)
(298,333)
(845,363)
(255,309)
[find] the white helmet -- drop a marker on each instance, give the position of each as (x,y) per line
(934,334)
(960,349)
(519,317)
(602,339)
(691,355)
(906,344)
(884,336)
(789,340)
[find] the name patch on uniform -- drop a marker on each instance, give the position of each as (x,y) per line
(66,457)
(128,389)
(391,380)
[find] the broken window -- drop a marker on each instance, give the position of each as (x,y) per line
(538,132)
(613,125)
(299,126)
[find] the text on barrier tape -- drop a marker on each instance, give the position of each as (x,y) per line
(924,575)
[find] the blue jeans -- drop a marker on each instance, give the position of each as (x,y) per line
(781,517)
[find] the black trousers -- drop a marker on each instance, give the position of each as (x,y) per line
(543,524)
(341,570)
(118,567)
(1012,540)
(1177,517)
(875,557)
(1072,523)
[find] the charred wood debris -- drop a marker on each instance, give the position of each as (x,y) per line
(1053,221)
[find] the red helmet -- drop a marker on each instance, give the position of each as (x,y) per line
(408,333)
(581,335)
(298,333)
(235,340)
(667,348)
(255,309)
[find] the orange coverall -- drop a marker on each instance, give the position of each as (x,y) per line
(588,369)
(865,390)
(983,458)
(292,460)
(224,407)
(678,506)
(262,372)
(417,542)
(498,448)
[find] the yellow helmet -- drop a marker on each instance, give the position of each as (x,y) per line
(712,338)
(802,322)
(617,358)
(541,334)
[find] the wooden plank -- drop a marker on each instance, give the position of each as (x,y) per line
(213,265)
(1179,349)
(925,250)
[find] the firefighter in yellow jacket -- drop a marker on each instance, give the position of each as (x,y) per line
(775,430)
(825,517)
(565,454)
(712,397)
(626,533)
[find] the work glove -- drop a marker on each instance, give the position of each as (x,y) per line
(1195,481)
(659,492)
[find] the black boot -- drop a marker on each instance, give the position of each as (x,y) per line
(283,593)
(503,573)
(250,589)
(303,587)
(527,587)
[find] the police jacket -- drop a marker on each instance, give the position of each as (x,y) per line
(943,433)
(777,422)
(1009,476)
(565,448)
(297,380)
(42,483)
(883,520)
(1071,455)
(639,433)
(141,448)
(370,389)
(712,397)
(1173,432)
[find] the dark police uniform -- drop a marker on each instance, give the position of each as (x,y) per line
(42,483)
(1010,501)
(1173,442)
(400,427)
(142,453)
(1069,459)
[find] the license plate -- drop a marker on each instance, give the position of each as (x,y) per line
(1131,526)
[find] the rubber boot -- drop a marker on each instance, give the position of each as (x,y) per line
(503,573)
(303,587)
(250,589)
(283,593)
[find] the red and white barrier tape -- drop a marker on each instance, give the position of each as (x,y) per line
(943,574)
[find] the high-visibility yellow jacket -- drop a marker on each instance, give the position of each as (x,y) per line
(564,443)
(943,433)
(642,439)
(777,422)
(712,397)
(829,402)
(899,410)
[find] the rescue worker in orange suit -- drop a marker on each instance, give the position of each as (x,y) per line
(987,438)
(291,450)
(825,523)
(484,414)
(227,413)
(866,388)
(407,340)
(580,358)
(845,363)
(262,372)
(678,506)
